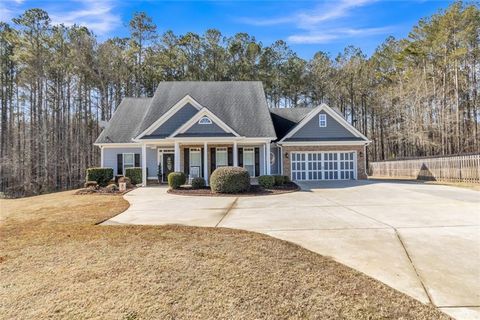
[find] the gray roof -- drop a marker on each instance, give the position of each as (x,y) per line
(285,119)
(125,121)
(240,104)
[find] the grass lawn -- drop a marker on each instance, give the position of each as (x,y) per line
(56,263)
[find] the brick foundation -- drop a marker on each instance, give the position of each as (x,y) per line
(361,170)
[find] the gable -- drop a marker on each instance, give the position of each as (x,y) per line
(312,130)
(175,121)
(198,129)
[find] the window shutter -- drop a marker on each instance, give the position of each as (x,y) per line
(230,157)
(119,163)
(240,157)
(202,164)
(137,160)
(257,162)
(186,161)
(213,161)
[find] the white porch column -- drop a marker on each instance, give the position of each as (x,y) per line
(177,157)
(144,164)
(264,171)
(235,154)
(267,158)
(205,162)
(102,163)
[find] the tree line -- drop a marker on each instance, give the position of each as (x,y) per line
(415,96)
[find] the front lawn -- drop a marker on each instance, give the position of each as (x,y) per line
(56,263)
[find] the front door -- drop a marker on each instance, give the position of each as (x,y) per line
(167,165)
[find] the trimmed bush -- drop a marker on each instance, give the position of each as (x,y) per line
(101,175)
(198,183)
(230,180)
(279,180)
(286,179)
(134,174)
(91,184)
(176,179)
(266,181)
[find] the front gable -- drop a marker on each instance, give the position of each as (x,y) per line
(312,129)
(204,124)
(184,114)
(337,128)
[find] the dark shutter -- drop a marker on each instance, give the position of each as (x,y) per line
(137,160)
(213,161)
(201,167)
(257,162)
(240,157)
(119,163)
(230,157)
(186,161)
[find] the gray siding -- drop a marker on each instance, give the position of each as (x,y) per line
(175,121)
(332,130)
(204,128)
(110,158)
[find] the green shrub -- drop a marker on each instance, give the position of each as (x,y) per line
(134,174)
(286,179)
(176,179)
(101,175)
(198,183)
(279,180)
(266,181)
(230,180)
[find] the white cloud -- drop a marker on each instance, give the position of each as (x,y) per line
(95,15)
(323,24)
(329,35)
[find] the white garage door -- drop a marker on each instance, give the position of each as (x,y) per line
(323,166)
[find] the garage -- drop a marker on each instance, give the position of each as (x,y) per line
(330,165)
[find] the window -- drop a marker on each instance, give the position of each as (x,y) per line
(128,161)
(322,120)
(204,120)
(249,160)
(221,157)
(195,162)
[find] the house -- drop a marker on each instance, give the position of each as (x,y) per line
(196,126)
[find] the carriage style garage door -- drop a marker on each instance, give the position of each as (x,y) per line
(323,165)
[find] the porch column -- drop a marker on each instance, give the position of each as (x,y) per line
(177,157)
(267,158)
(264,164)
(235,154)
(101,157)
(205,162)
(144,164)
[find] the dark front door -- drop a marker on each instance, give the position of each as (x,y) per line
(167,164)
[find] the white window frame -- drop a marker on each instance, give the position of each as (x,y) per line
(322,120)
(249,151)
(221,150)
(196,151)
(328,165)
(205,120)
(123,161)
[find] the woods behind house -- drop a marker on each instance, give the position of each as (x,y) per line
(416,96)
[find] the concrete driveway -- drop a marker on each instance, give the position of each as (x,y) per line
(421,239)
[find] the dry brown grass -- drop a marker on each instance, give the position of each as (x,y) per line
(54,263)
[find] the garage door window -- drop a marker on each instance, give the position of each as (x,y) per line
(323,166)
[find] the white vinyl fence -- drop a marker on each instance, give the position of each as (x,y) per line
(452,168)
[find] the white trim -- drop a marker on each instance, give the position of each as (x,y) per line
(206,122)
(101,157)
(325,143)
(160,153)
(200,114)
(333,114)
(268,158)
(235,154)
(118,145)
(281,160)
(167,115)
(144,164)
(322,117)
(177,157)
(123,161)
(205,162)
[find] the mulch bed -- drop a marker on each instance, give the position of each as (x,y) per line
(101,191)
(255,190)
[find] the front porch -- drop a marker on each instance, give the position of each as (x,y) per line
(199,158)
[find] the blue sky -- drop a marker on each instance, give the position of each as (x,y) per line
(307,26)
